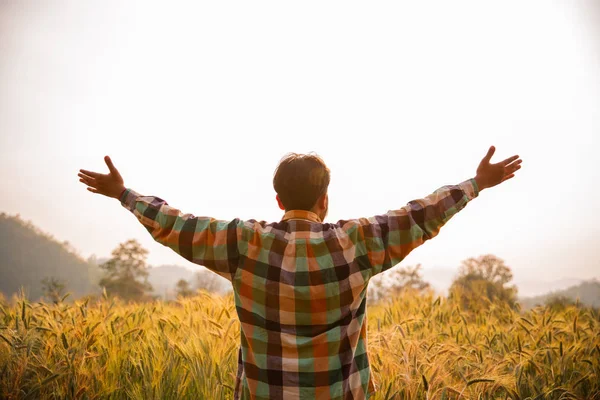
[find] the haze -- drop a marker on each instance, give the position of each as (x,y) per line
(197,102)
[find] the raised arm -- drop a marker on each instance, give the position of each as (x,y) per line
(389,238)
(201,240)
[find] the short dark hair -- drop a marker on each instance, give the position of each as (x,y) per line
(300,179)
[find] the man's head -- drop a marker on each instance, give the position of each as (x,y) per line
(301,182)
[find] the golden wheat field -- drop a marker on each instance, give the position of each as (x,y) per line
(421,347)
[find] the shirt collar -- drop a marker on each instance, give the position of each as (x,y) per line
(301,214)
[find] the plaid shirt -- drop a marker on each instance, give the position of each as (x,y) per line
(300,285)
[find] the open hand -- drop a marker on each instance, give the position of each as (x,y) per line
(110,184)
(489,175)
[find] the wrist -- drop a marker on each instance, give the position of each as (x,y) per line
(119,193)
(480,183)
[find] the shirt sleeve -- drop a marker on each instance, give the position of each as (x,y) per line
(201,240)
(389,238)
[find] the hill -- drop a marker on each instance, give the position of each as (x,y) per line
(28,255)
(588,293)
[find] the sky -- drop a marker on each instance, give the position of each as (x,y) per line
(197,102)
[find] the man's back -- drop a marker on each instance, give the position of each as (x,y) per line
(300,285)
(301,298)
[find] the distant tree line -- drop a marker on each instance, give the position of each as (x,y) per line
(203,280)
(480,282)
(46,267)
(125,275)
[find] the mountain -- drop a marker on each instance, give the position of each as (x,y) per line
(28,255)
(23,242)
(588,293)
(541,287)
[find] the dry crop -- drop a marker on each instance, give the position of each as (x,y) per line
(421,347)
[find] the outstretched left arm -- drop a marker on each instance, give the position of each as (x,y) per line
(201,240)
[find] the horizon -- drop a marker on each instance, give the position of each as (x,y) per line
(79,81)
(440,278)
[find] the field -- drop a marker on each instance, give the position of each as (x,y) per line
(421,347)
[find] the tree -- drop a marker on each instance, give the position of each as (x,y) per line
(209,281)
(183,288)
(559,302)
(397,281)
(53,289)
(484,278)
(126,272)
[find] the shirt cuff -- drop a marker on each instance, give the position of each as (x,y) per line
(129,199)
(470,188)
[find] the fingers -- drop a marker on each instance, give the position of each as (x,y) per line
(90,173)
(489,154)
(513,163)
(87,180)
(507,177)
(509,160)
(92,187)
(111,166)
(509,172)
(515,166)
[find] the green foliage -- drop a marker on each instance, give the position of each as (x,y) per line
(28,254)
(559,303)
(183,288)
(53,289)
(399,279)
(483,281)
(126,272)
(209,281)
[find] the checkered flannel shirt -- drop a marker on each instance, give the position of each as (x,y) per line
(300,285)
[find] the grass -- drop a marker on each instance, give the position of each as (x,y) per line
(420,346)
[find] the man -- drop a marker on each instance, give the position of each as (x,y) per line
(300,284)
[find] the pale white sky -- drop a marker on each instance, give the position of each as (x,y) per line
(197,102)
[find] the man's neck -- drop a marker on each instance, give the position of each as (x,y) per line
(301,214)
